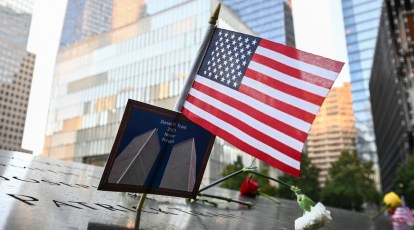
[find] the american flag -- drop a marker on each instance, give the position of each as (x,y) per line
(403,215)
(260,96)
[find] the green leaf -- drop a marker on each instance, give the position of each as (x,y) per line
(350,183)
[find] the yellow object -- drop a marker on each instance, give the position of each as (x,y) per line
(392,200)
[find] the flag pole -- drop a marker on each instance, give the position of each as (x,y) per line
(187,85)
(199,58)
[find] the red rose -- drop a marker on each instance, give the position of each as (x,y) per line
(249,187)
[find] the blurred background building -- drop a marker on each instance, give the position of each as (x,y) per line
(361,19)
(270,19)
(87,18)
(16,71)
(391,87)
(333,130)
(113,50)
(146,60)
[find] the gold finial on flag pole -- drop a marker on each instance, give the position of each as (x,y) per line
(199,58)
(212,21)
(215,14)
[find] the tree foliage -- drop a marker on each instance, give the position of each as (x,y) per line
(350,183)
(264,183)
(235,182)
(308,182)
(404,181)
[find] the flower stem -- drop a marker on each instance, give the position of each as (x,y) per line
(248,204)
(223,179)
(250,170)
(381,211)
(268,197)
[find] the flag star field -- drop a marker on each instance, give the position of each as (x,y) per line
(260,96)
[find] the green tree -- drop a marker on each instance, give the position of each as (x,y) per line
(404,181)
(308,182)
(235,182)
(350,184)
(264,183)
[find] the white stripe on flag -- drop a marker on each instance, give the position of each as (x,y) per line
(248,120)
(300,84)
(242,136)
(281,96)
(272,112)
(297,64)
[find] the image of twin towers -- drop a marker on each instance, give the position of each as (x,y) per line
(134,163)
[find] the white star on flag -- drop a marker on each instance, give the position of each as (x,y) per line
(266,102)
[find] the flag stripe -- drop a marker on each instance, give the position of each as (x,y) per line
(220,125)
(293,143)
(247,128)
(288,110)
(309,58)
(297,64)
(288,79)
(294,101)
(278,66)
(259,105)
(281,86)
(260,96)
(242,145)
(252,112)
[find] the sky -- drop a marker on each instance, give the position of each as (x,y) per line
(318,29)
(43,41)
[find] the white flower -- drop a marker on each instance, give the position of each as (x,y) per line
(315,219)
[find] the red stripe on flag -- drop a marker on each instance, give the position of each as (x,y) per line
(251,111)
(246,128)
(272,102)
(309,58)
(241,144)
(278,66)
(283,87)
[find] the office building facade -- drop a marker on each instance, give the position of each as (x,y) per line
(333,130)
(147,61)
(87,18)
(361,19)
(391,87)
(270,19)
(16,71)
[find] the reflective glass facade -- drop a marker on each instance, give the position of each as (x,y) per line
(332,131)
(270,19)
(361,19)
(146,61)
(16,71)
(392,91)
(86,18)
(18,6)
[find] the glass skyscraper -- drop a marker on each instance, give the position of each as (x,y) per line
(16,71)
(361,19)
(19,6)
(147,60)
(392,92)
(270,19)
(86,18)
